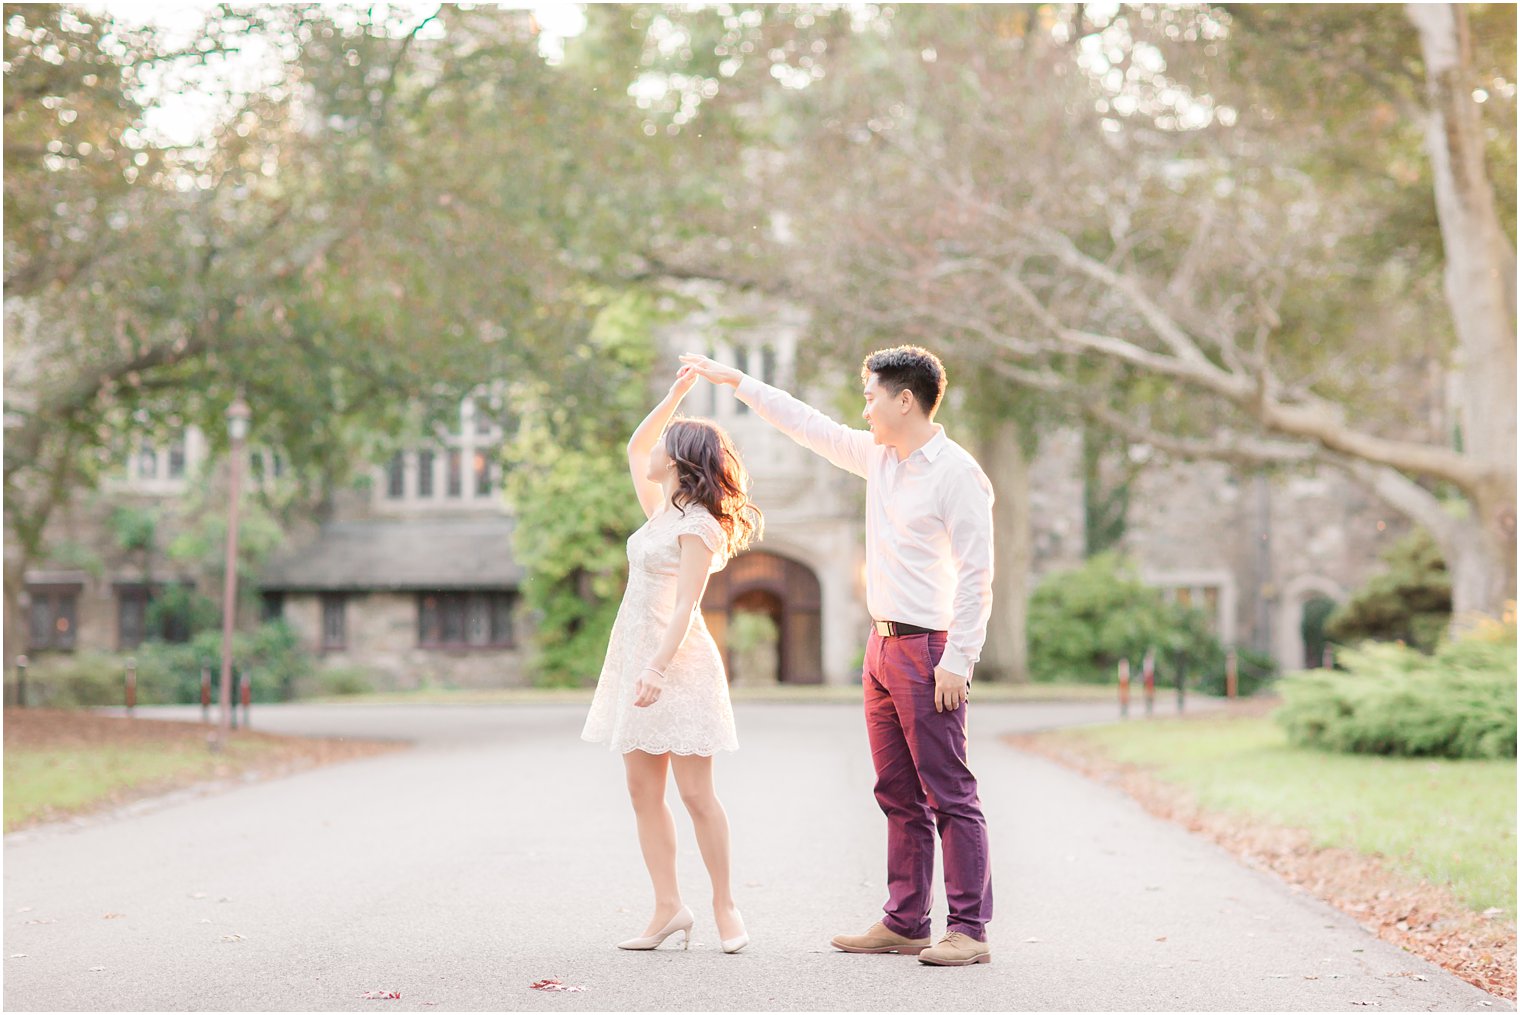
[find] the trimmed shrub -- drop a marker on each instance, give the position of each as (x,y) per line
(1083,621)
(169,673)
(1458,703)
(1410,601)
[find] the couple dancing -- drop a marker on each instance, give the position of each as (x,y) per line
(662,698)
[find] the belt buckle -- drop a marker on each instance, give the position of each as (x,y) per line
(885,628)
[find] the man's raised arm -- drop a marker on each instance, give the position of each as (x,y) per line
(844,446)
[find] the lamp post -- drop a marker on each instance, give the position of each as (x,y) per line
(238,416)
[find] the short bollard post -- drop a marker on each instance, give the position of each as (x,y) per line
(21,662)
(1231,675)
(1327,659)
(247,692)
(232,705)
(1181,667)
(205,694)
(1149,671)
(131,686)
(1124,688)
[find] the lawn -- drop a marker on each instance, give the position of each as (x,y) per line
(60,763)
(1448,822)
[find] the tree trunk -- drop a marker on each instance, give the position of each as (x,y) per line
(15,607)
(1005,657)
(1479,275)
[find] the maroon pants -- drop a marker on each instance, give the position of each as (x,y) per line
(922,781)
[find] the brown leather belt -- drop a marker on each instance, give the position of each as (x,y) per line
(892,629)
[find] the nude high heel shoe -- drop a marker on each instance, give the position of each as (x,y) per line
(682,921)
(733,944)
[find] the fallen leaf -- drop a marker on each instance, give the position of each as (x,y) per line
(19,955)
(554,985)
(97,969)
(1421,976)
(1161,938)
(381,995)
(1310,976)
(232,937)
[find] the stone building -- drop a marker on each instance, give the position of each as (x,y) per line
(413,579)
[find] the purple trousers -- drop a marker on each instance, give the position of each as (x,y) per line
(922,781)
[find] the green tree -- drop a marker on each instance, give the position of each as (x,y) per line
(567,481)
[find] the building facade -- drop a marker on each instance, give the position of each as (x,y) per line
(413,582)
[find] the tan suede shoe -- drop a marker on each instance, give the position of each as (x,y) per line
(956,949)
(879,941)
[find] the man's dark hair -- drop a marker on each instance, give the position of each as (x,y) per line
(908,366)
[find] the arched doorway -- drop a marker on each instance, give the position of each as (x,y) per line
(759,585)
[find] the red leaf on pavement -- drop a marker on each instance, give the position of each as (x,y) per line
(381,995)
(553,985)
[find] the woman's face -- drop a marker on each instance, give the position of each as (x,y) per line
(659,463)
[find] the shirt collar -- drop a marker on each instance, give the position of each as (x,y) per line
(936,444)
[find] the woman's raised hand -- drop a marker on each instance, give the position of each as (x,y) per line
(686,378)
(713,370)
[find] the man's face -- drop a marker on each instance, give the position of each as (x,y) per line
(882,411)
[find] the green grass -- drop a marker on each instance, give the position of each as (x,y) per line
(1449,822)
(792,693)
(55,780)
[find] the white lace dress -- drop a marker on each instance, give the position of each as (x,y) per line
(693,714)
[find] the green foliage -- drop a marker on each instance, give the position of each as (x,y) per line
(179,612)
(1083,621)
(170,673)
(567,481)
(1409,602)
(1253,671)
(336,681)
(1392,699)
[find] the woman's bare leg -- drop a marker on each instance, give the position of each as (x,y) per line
(657,831)
(695,780)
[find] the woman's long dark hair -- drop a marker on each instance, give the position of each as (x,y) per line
(709,472)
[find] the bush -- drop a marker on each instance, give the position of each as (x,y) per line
(1253,672)
(1458,703)
(81,680)
(1410,601)
(169,673)
(335,681)
(1083,621)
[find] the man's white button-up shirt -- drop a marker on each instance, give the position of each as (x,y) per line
(928,523)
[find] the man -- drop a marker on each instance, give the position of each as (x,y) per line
(929,593)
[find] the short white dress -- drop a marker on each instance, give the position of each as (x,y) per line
(693,714)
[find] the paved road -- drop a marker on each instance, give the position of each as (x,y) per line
(501,851)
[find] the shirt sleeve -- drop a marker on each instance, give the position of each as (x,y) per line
(843,446)
(968,519)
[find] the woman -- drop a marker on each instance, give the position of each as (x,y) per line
(662,698)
